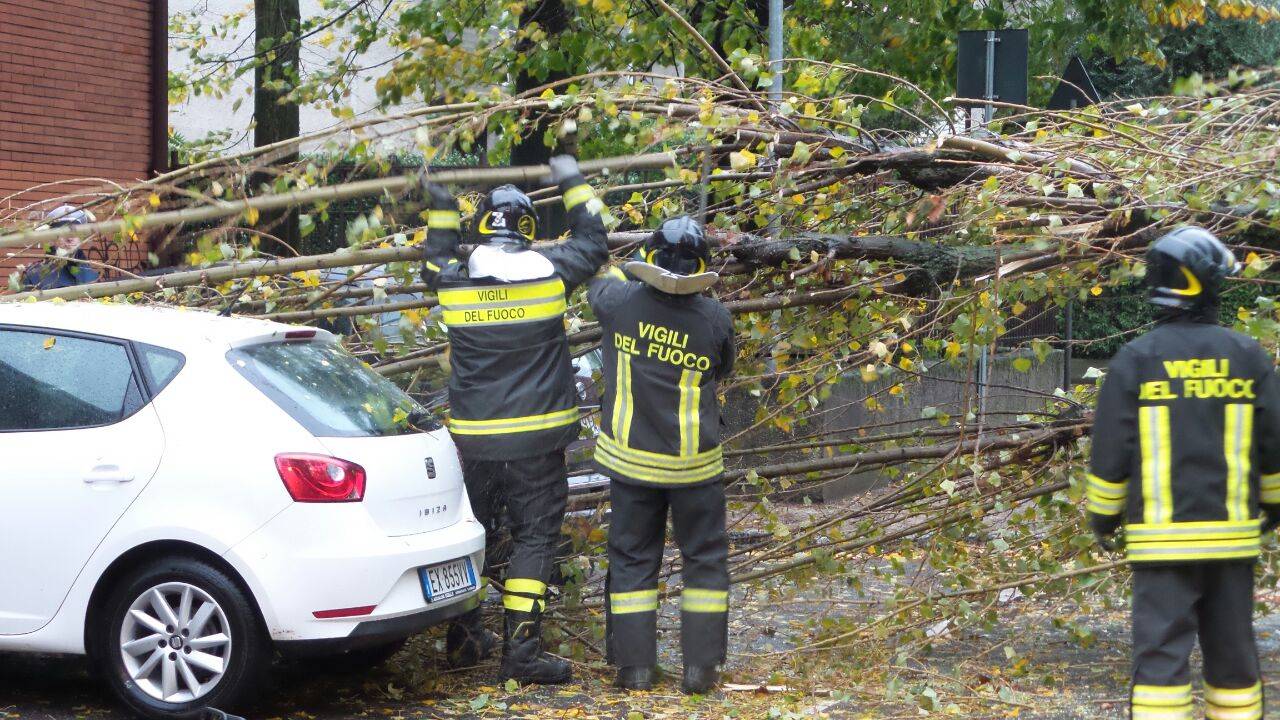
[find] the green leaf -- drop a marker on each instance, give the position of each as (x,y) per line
(1022,364)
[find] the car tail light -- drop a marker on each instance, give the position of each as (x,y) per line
(299,334)
(321,479)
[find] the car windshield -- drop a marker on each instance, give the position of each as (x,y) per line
(328,391)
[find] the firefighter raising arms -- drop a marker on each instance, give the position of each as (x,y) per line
(513,402)
(1186,455)
(665,347)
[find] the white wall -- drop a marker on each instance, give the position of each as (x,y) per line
(199,116)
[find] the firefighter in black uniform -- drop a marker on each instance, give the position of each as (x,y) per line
(664,351)
(1186,455)
(513,402)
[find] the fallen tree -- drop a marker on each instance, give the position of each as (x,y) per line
(896,253)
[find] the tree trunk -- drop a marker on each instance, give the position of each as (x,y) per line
(276,26)
(553,17)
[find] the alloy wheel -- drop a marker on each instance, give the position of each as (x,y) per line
(175,642)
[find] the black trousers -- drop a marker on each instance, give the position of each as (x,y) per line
(1174,604)
(526,498)
(637,534)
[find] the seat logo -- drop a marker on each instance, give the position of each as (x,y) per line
(431,468)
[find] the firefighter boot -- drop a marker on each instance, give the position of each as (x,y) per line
(523,659)
(635,677)
(469,641)
(699,679)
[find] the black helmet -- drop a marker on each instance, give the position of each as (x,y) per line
(1186,267)
(505,215)
(678,246)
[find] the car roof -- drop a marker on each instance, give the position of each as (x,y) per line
(178,328)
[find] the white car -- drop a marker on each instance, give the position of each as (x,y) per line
(184,493)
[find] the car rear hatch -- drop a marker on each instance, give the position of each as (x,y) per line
(413,482)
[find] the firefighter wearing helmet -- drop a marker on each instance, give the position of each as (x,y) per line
(1186,457)
(666,344)
(513,402)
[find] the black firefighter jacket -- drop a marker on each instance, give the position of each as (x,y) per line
(1186,444)
(511,391)
(663,354)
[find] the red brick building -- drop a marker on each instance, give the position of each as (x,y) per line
(82,101)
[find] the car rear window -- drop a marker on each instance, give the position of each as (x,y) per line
(328,391)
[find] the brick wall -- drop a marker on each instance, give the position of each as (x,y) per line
(75,105)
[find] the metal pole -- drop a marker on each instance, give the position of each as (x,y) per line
(775,49)
(991,74)
(775,92)
(1066,352)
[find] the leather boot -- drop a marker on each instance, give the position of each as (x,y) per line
(523,659)
(699,679)
(635,677)
(469,641)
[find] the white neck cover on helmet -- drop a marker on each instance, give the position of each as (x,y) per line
(669,282)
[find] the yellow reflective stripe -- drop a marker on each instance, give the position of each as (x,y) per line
(444,220)
(690,415)
(1251,712)
(704,601)
(1270,488)
(623,402)
(1182,552)
(660,460)
(1203,540)
(1238,697)
(506,315)
(655,475)
(1105,507)
(523,594)
(1162,713)
(501,426)
(635,601)
(1162,695)
(478,295)
(575,196)
(1237,439)
(1157,476)
(1200,529)
(1105,498)
(1158,702)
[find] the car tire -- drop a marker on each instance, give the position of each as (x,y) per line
(216,652)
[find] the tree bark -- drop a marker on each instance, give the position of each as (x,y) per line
(552,17)
(276,24)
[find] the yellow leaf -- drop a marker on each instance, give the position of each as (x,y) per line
(49,342)
(1096,290)
(742,160)
(905,363)
(251,216)
(869,374)
(1019,308)
(154,200)
(1242,314)
(836,152)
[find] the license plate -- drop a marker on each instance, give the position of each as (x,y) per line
(447,579)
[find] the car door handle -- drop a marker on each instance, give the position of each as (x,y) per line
(107,474)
